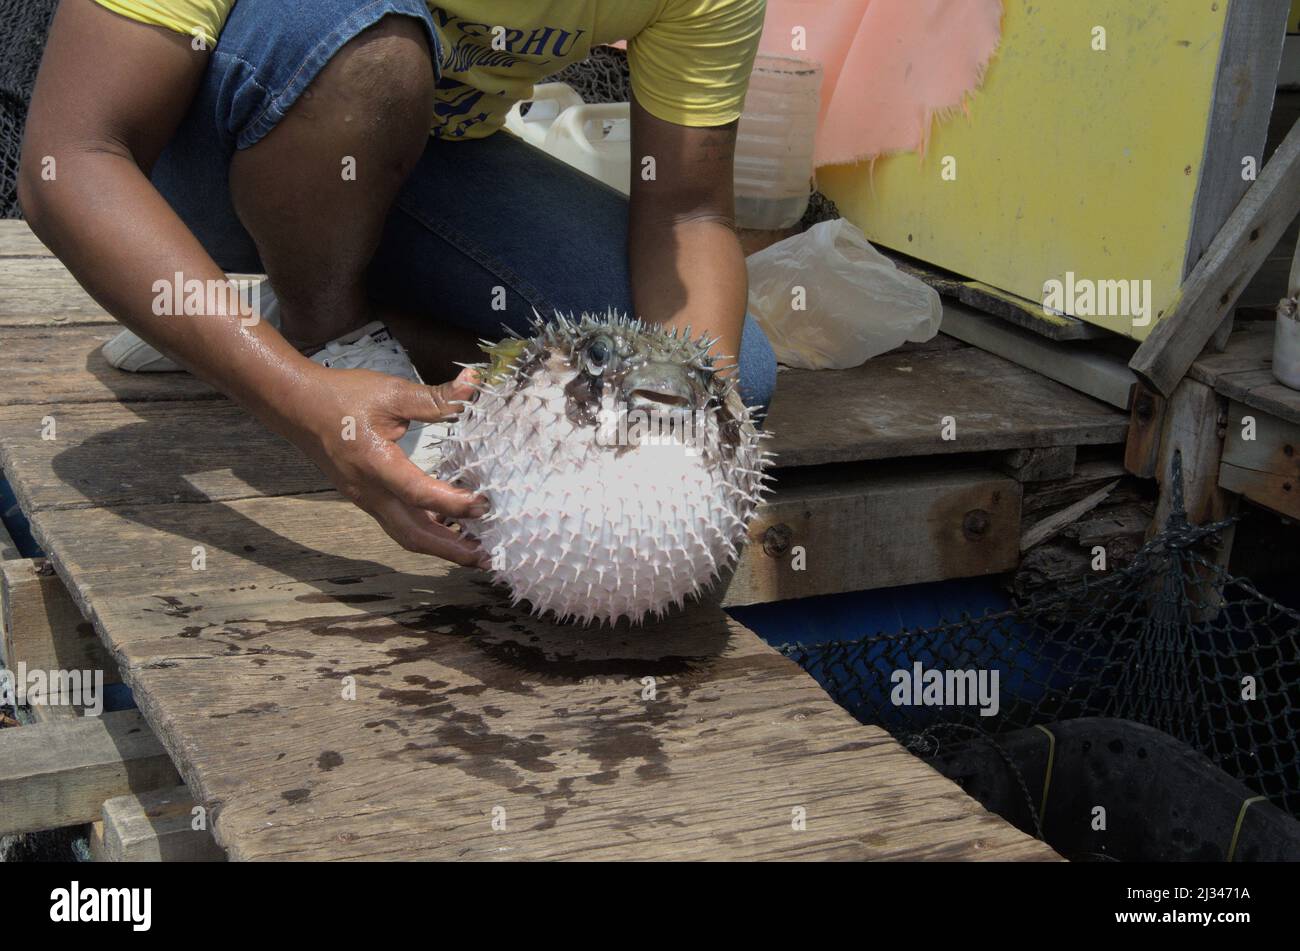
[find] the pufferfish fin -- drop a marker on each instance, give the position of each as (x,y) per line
(501,357)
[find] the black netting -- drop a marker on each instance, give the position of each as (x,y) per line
(601,77)
(1171,640)
(23,25)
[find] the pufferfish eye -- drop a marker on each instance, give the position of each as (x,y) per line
(599,352)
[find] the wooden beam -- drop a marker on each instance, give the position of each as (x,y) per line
(43,627)
(1146,421)
(1211,290)
(59,774)
(895,526)
(156,826)
(1249,57)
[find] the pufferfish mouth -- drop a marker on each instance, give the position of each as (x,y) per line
(659,388)
(647,399)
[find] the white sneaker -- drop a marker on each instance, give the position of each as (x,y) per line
(374,348)
(128,352)
(370,348)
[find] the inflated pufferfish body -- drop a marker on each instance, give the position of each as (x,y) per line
(621,472)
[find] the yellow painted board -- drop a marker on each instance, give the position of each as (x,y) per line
(1293,18)
(1071,159)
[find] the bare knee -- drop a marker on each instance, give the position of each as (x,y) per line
(381,81)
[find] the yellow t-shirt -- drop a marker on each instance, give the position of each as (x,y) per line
(690,59)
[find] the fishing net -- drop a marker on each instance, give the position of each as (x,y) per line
(601,77)
(1171,640)
(23,25)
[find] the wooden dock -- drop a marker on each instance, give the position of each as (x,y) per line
(324,694)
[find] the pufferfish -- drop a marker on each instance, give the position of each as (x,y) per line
(620,470)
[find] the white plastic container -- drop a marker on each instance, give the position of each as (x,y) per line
(596,139)
(774,142)
(1286,344)
(549,100)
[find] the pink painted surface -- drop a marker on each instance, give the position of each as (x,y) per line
(891,68)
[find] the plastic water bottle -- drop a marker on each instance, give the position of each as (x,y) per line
(774,143)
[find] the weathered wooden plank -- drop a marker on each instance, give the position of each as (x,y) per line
(1239,116)
(509,711)
(896,406)
(1211,290)
(59,774)
(1008,308)
(157,826)
(54,712)
(17,240)
(1046,528)
(43,627)
(1088,368)
(1040,465)
(197,450)
(64,365)
(169,550)
(1250,349)
(903,525)
(40,292)
(1266,467)
(405,727)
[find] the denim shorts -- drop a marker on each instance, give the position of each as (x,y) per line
(473,216)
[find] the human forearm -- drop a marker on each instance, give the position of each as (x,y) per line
(118,236)
(691,273)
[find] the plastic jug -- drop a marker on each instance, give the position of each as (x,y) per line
(548,101)
(596,139)
(774,142)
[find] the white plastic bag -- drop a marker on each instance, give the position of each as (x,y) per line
(858,304)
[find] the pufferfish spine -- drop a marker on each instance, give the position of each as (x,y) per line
(589,528)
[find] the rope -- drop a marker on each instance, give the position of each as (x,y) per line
(1051,761)
(1241,816)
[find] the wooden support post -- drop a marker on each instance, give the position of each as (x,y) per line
(8,548)
(156,826)
(1194,427)
(59,774)
(43,627)
(1211,290)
